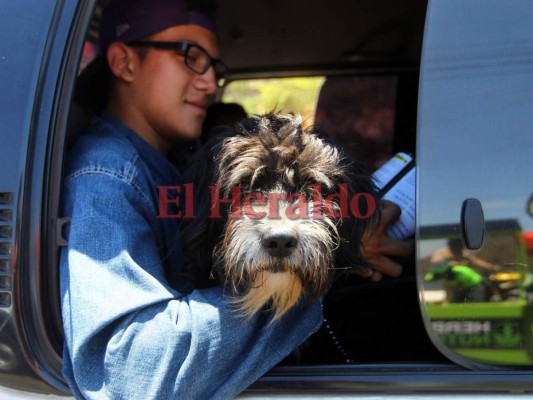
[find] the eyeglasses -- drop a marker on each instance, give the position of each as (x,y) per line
(197,59)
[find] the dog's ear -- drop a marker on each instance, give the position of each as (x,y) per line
(353,228)
(199,235)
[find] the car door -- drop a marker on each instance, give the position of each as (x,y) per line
(475,158)
(38,66)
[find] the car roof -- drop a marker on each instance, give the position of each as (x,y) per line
(310,35)
(263,38)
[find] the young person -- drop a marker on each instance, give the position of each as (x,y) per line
(135,327)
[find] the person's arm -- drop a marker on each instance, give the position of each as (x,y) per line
(480,263)
(128,334)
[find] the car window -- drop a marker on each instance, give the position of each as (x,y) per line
(372,116)
(474,210)
(20,59)
(357,111)
(290,95)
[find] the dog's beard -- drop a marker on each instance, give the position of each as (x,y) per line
(259,279)
(279,289)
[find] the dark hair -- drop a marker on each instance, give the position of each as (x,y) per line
(95,96)
(93,85)
(221,114)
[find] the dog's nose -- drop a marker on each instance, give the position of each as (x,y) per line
(279,244)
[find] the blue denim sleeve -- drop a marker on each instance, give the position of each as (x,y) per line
(128,334)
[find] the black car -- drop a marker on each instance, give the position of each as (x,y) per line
(447,82)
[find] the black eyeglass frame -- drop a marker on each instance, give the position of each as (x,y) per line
(221,74)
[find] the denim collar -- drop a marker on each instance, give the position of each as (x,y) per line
(155,160)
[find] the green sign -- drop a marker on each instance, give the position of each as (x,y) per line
(498,333)
(480,334)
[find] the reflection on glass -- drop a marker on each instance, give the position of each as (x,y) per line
(480,303)
(474,141)
(463,275)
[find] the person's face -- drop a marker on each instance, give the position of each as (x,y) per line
(170,98)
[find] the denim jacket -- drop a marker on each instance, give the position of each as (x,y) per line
(129,333)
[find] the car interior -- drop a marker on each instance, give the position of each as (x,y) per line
(367,322)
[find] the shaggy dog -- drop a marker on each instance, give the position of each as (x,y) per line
(277,210)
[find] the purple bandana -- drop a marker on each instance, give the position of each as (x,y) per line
(128,20)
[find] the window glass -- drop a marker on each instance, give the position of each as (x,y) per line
(358,111)
(20,63)
(373,115)
(288,95)
(475,142)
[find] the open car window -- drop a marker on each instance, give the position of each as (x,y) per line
(474,218)
(371,116)
(360,112)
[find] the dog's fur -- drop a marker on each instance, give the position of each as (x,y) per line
(272,261)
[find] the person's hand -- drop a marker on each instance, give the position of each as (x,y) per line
(377,247)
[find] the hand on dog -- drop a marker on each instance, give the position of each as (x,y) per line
(377,247)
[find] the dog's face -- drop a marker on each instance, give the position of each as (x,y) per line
(283,224)
(280,240)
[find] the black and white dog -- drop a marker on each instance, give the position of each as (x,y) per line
(277,210)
